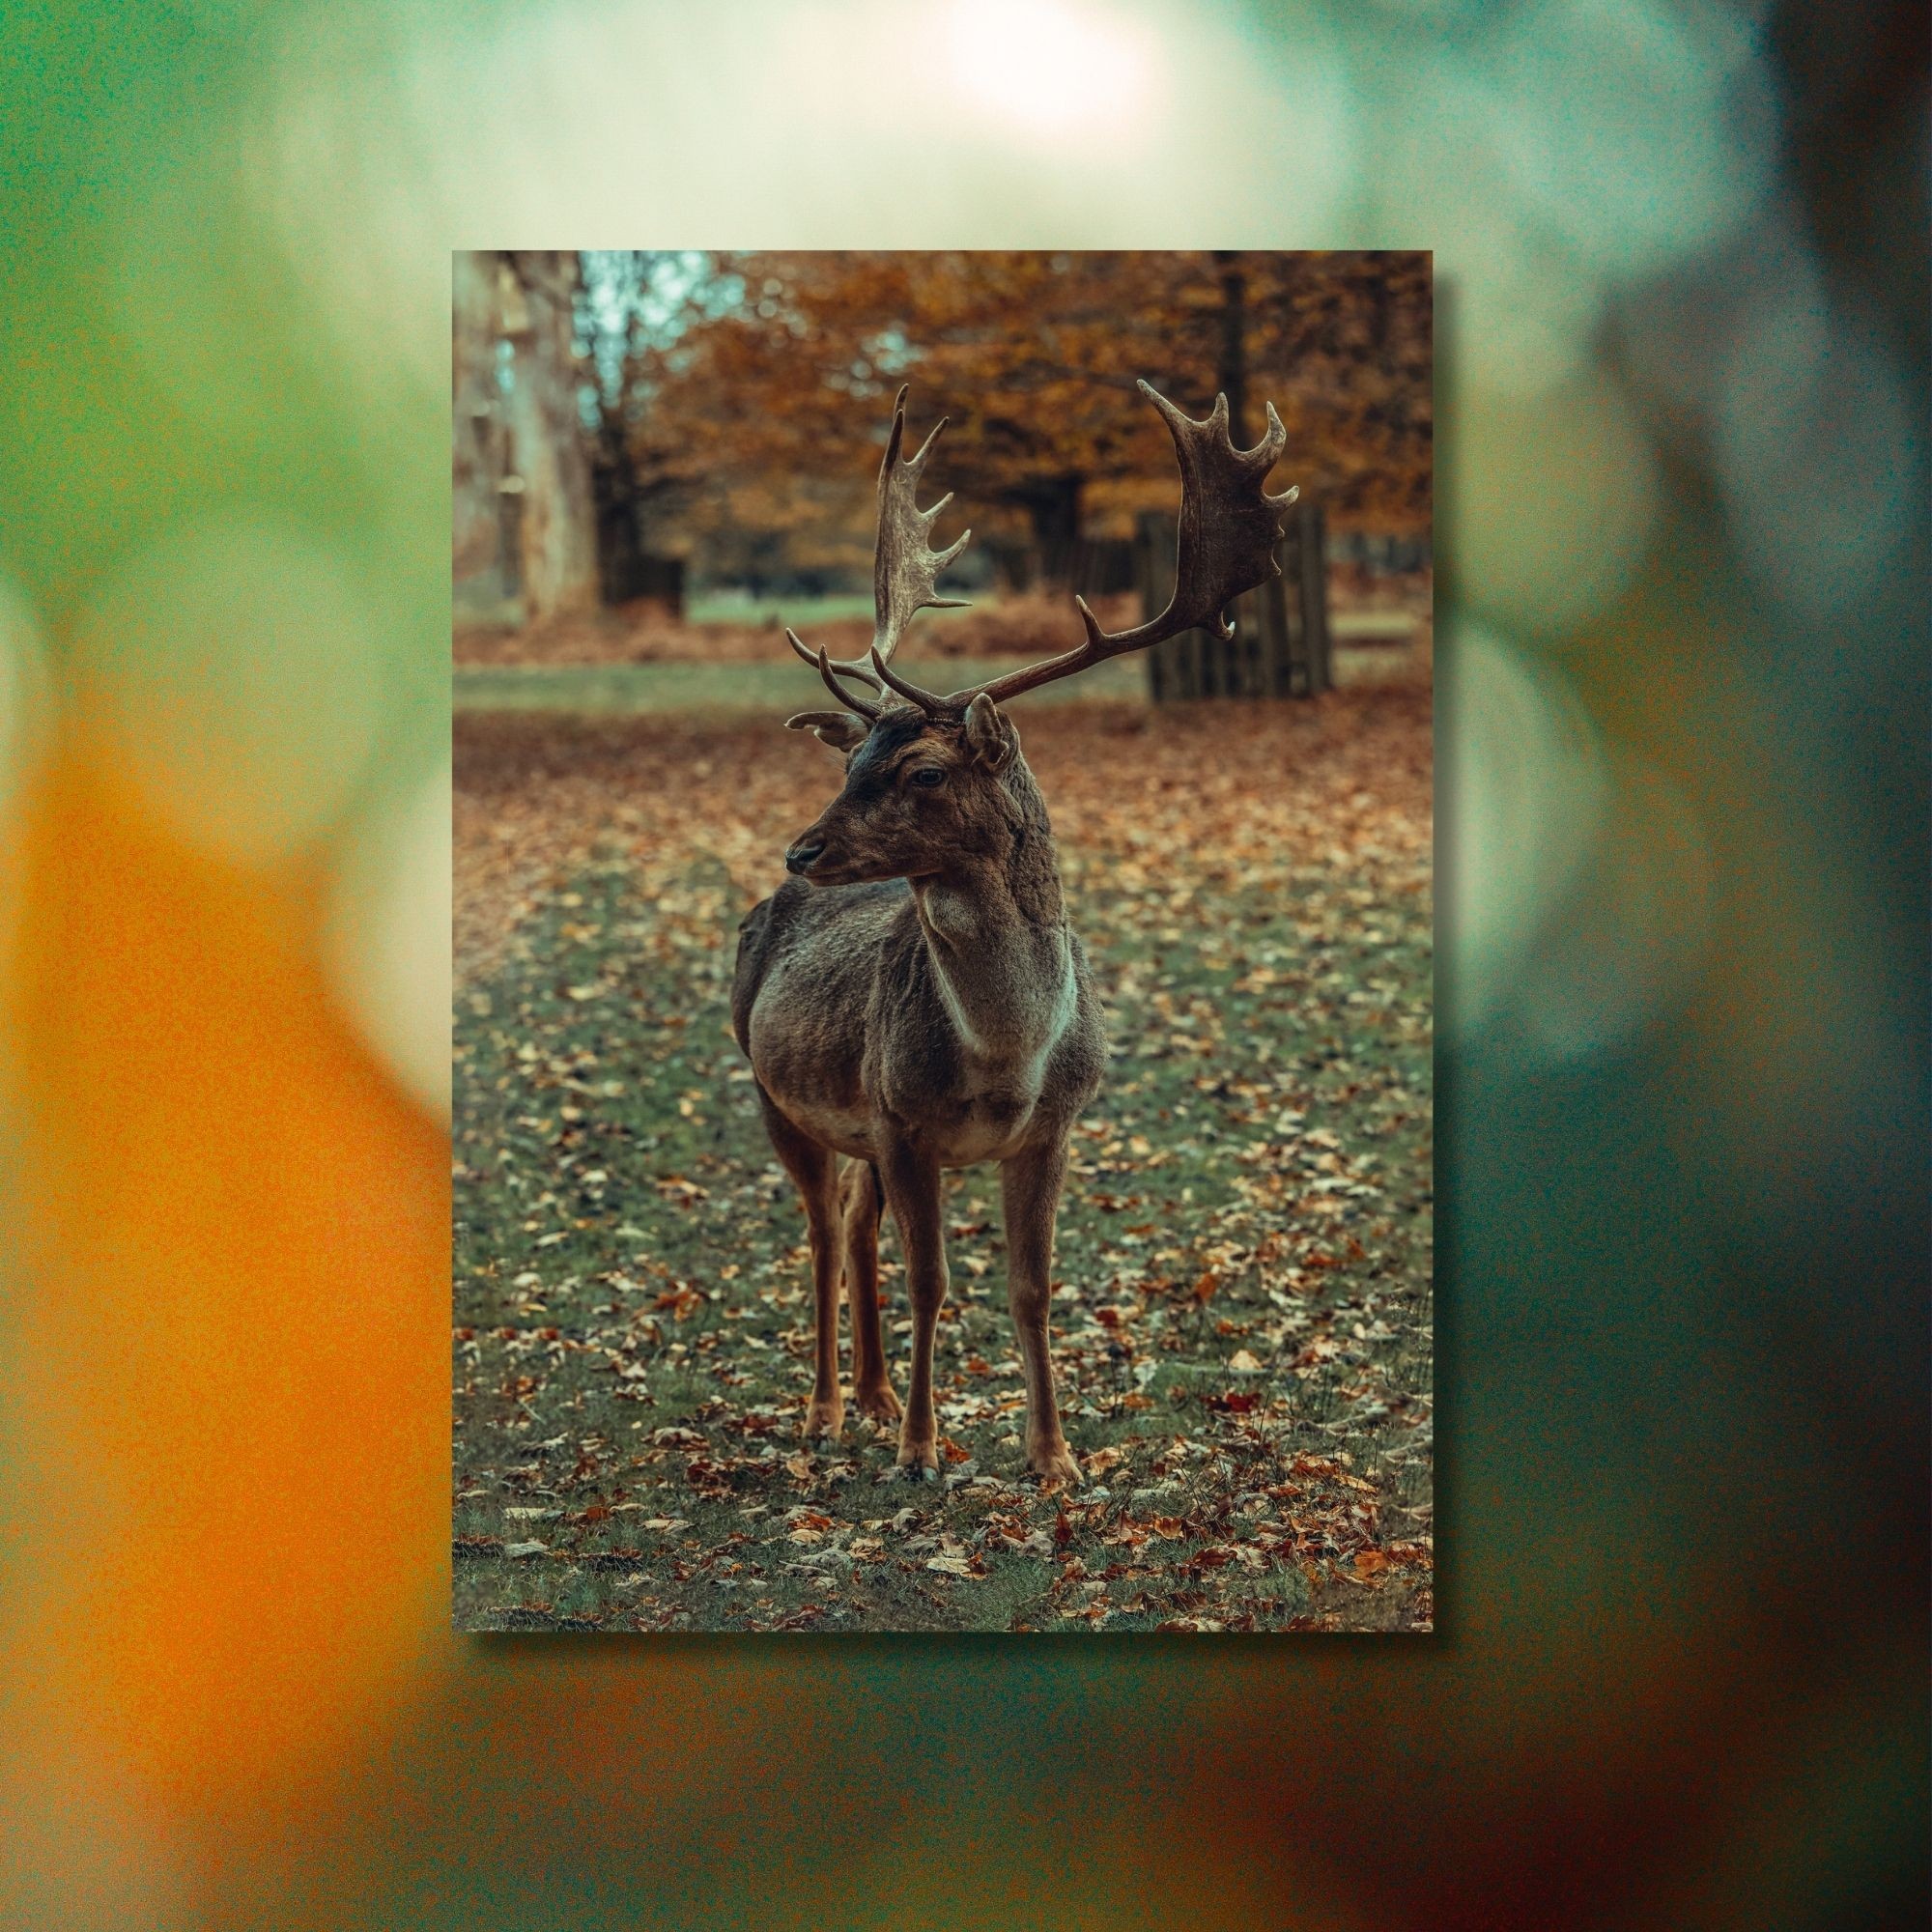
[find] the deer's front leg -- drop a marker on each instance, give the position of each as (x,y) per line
(812,1167)
(1030,1193)
(912,1193)
(872,1387)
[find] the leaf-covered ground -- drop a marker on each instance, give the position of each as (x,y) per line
(1241,1325)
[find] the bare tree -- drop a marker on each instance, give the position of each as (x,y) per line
(476,418)
(549,446)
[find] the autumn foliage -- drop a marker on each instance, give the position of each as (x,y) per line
(764,409)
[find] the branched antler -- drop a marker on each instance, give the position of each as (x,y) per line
(905,570)
(829,727)
(1229,529)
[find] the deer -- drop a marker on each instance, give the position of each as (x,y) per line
(912,998)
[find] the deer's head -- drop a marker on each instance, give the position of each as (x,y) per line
(931,777)
(920,794)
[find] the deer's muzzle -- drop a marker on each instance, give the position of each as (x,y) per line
(801,856)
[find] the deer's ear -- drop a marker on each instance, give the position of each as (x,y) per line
(990,733)
(838,729)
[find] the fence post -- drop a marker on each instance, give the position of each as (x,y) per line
(1172,667)
(1277,661)
(510,534)
(1314,582)
(1281,647)
(1147,581)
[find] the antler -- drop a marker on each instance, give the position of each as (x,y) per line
(1229,529)
(904,571)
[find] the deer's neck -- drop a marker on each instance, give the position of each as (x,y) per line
(996,932)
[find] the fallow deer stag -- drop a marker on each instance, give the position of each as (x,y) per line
(913,998)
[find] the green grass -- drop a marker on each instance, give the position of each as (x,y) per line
(783,684)
(634,1311)
(738,606)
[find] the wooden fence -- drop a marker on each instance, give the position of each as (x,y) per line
(1282,644)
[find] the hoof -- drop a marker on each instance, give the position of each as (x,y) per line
(823,1418)
(920,1461)
(1054,1461)
(880,1403)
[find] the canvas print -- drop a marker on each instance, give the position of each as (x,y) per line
(943,955)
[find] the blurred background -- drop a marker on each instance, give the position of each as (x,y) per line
(1679,1679)
(660,455)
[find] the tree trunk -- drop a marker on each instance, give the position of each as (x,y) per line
(1234,360)
(476,428)
(613,476)
(1054,507)
(557,531)
(1235,660)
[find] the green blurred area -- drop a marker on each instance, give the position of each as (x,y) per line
(1680,1678)
(740,607)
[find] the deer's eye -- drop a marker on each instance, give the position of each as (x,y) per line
(928,775)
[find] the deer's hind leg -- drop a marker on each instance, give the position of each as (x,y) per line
(815,1170)
(872,1387)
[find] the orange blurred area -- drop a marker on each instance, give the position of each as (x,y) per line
(228,1640)
(231,1369)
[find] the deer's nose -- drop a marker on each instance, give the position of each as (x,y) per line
(801,858)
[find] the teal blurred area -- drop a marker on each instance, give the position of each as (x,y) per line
(1680,257)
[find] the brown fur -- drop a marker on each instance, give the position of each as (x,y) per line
(917,1001)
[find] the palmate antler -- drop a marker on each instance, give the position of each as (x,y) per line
(904,573)
(1229,529)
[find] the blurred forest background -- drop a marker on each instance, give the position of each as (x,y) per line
(654,452)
